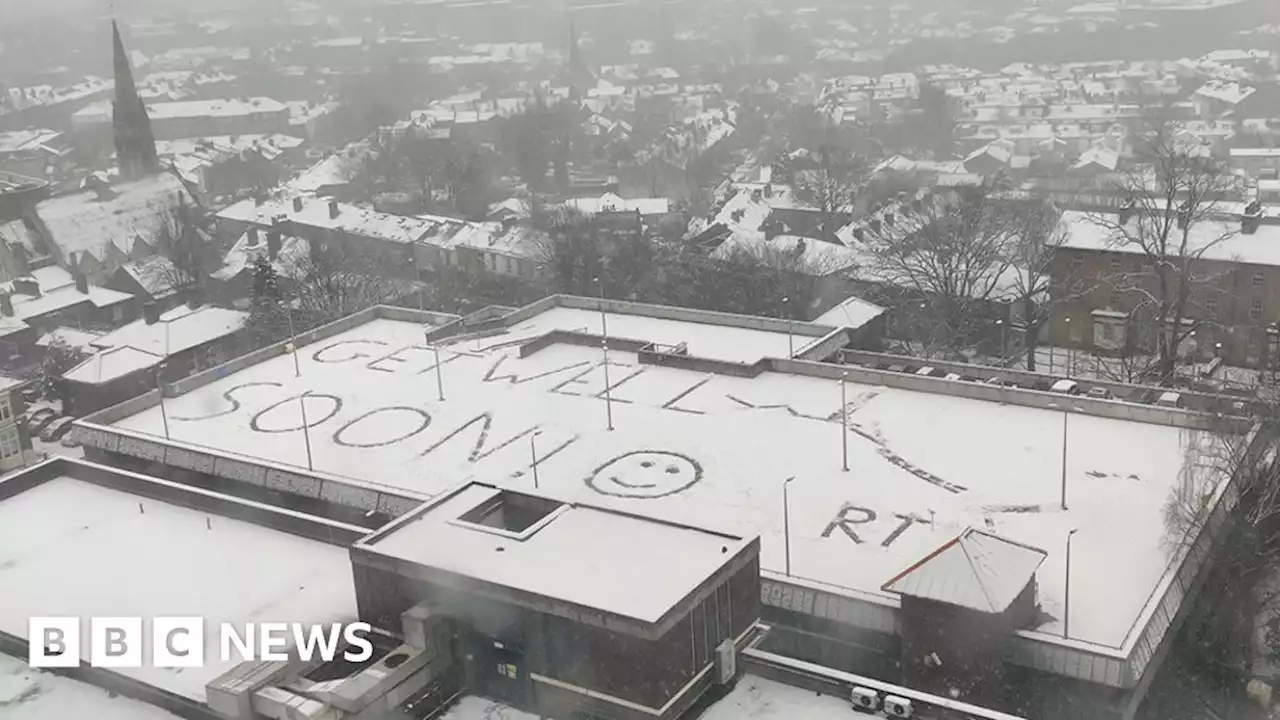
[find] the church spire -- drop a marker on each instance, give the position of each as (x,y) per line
(135,144)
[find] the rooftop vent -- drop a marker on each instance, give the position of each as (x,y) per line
(511,511)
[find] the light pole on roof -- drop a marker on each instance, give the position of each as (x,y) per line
(786,524)
(604,347)
(844,423)
(164,415)
(435,349)
(1066,604)
(306,429)
(791,348)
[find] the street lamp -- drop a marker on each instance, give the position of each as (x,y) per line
(786,523)
(1003,343)
(435,349)
(1070,341)
(306,429)
(164,415)
(791,348)
(608,398)
(1065,417)
(1066,605)
(844,423)
(533,451)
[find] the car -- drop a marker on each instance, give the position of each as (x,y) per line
(1100,393)
(1066,387)
(57,429)
(39,418)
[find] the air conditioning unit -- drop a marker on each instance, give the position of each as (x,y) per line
(865,698)
(897,707)
(726,661)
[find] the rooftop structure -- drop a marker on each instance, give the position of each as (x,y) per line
(634,567)
(83,520)
(688,392)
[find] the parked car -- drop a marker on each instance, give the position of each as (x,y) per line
(39,418)
(55,430)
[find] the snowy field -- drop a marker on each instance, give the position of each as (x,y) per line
(77,549)
(27,694)
(922,467)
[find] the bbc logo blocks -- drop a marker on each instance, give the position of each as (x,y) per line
(175,642)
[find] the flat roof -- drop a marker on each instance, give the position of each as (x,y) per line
(720,342)
(629,566)
(28,694)
(74,548)
(923,467)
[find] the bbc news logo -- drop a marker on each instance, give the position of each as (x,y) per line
(179,642)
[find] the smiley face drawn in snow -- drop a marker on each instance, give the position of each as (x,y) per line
(646,474)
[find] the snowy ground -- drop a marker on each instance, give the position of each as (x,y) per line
(756,698)
(473,707)
(69,548)
(922,467)
(27,694)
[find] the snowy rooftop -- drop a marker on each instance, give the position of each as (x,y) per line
(178,329)
(27,694)
(923,466)
(975,570)
(1212,239)
(74,548)
(633,566)
(214,108)
(82,222)
(854,312)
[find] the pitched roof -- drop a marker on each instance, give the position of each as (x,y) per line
(976,570)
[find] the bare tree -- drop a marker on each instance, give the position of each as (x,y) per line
(1170,220)
(1232,465)
(184,241)
(950,258)
(336,281)
(832,185)
(1038,236)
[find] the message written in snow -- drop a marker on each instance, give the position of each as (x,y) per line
(385,426)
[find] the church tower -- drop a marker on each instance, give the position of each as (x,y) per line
(135,144)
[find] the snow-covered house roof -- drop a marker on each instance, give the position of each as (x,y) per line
(853,312)
(609,202)
(107,365)
(108,224)
(154,274)
(178,329)
(975,570)
(293,250)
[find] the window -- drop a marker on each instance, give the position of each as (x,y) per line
(1115,264)
(9,445)
(1211,304)
(1259,279)
(1077,262)
(6,409)
(1255,311)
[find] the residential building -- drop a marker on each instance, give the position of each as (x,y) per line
(15,440)
(1232,305)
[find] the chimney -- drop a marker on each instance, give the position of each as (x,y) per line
(195,298)
(889,218)
(6,305)
(82,283)
(333,209)
(297,204)
(874,225)
(151,313)
(1252,218)
(273,244)
(859,234)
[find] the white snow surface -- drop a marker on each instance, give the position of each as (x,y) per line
(27,694)
(70,548)
(933,463)
(757,698)
(632,567)
(474,707)
(710,341)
